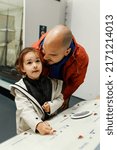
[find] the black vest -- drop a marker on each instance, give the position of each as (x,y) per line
(40,89)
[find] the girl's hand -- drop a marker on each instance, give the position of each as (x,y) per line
(46,107)
(45,128)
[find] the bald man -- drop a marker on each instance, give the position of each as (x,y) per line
(63,58)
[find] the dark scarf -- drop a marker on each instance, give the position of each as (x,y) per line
(40,89)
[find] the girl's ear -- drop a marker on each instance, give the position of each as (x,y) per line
(67,51)
(22,70)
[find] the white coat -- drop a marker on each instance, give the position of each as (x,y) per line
(29,112)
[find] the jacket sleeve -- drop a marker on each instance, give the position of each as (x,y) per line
(26,111)
(72,86)
(76,78)
(57,97)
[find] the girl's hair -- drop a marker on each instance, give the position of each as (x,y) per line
(20,59)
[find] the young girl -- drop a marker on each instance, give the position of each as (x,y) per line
(37,97)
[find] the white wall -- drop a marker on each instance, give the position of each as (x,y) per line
(84,23)
(41,12)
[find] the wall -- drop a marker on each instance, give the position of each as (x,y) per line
(84,22)
(41,12)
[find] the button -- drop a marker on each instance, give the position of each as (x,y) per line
(80,137)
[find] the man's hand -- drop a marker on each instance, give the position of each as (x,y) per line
(65,104)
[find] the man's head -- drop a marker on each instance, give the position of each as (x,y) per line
(56,44)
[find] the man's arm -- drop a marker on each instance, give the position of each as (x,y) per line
(73,84)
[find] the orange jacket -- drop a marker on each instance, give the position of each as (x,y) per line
(74,70)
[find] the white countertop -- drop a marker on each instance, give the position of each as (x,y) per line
(72,134)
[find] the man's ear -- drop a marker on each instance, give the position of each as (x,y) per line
(67,51)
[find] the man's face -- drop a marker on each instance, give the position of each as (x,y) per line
(54,54)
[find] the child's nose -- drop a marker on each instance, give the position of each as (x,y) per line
(35,65)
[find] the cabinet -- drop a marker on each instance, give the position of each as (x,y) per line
(11,22)
(7,35)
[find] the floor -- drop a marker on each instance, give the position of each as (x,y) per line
(7,118)
(7,114)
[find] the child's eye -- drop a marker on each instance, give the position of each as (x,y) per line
(29,62)
(38,60)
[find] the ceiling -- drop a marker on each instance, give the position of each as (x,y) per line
(10,4)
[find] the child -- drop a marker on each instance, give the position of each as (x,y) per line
(37,97)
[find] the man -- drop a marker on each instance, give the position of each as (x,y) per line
(63,58)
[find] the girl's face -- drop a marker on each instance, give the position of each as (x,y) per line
(32,65)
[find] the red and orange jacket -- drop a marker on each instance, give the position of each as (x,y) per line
(74,70)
